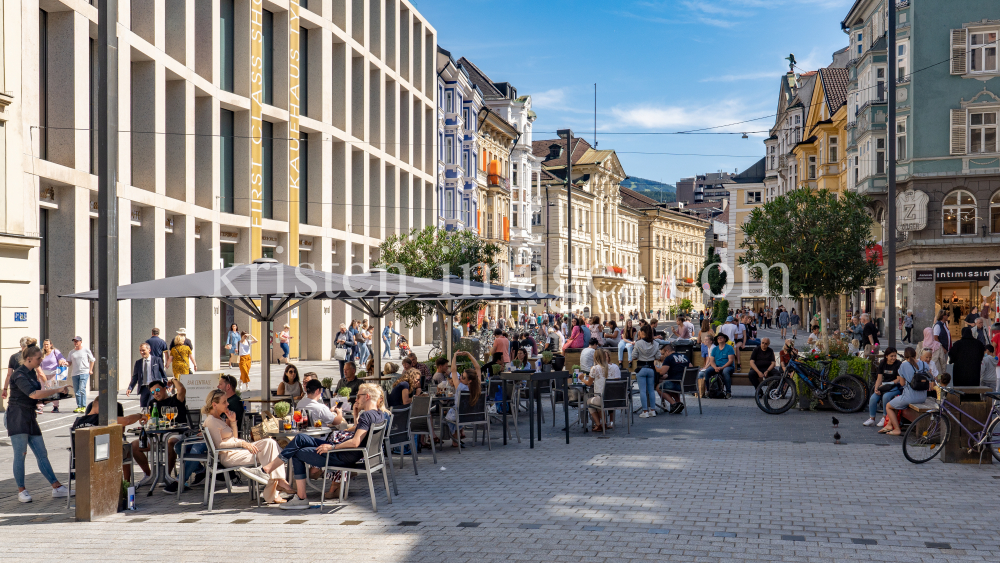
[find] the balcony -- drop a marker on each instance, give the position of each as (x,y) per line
(481,177)
(498,181)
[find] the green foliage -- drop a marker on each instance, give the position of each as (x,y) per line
(686,304)
(547,357)
(327,382)
(820,236)
(496,368)
(715,325)
(717,277)
(433,253)
(721,310)
(344,392)
(281,409)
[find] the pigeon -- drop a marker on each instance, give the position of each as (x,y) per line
(836,423)
(836,437)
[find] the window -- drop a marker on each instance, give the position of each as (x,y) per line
(303,178)
(449,150)
(513,218)
(753,197)
(983,52)
(226,147)
(812,168)
(959,213)
(861,42)
(303,71)
(465,163)
(834,154)
(227,44)
(901,139)
(983,132)
(880,83)
(465,211)
(513,175)
(449,204)
(267,60)
(995,213)
(267,169)
(880,156)
(901,50)
(797,119)
(857,172)
(448,102)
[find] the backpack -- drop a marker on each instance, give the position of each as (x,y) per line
(921,380)
(716,386)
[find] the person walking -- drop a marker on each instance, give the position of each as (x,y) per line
(794,320)
(908,327)
(283,337)
(387,334)
(147,370)
(246,340)
(192,365)
(81,367)
(157,346)
(233,345)
(52,361)
(783,322)
(22,422)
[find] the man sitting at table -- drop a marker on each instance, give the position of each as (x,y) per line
(313,403)
(350,379)
(443,371)
(160,399)
(672,368)
(92,418)
(587,355)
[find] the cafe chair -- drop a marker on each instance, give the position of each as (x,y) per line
(214,467)
(399,436)
(420,420)
(689,384)
(372,460)
(471,415)
(185,455)
(615,397)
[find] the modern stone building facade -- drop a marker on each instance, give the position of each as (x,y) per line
(311,154)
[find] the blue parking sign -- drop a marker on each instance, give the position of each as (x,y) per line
(20,317)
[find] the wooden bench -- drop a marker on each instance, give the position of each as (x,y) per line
(913,411)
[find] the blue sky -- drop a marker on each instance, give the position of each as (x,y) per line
(667,65)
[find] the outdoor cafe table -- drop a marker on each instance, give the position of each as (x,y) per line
(158,452)
(533,379)
(257,398)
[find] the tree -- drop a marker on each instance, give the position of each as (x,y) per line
(717,277)
(819,236)
(434,253)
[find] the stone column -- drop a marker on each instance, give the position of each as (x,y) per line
(180,260)
(207,336)
(69,258)
(147,262)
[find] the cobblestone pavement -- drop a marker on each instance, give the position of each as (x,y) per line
(730,484)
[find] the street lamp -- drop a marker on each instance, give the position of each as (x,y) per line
(567,135)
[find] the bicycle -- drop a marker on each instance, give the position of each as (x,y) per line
(436,350)
(777,394)
(926,436)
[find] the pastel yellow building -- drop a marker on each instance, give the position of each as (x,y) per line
(820,155)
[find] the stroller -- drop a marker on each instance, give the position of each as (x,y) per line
(403,346)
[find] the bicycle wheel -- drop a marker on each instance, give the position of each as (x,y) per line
(993,438)
(847,393)
(776,394)
(926,436)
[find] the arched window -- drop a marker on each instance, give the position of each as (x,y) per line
(995,213)
(959,213)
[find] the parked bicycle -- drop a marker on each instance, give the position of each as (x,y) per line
(777,394)
(927,435)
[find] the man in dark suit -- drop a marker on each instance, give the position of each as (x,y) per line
(147,370)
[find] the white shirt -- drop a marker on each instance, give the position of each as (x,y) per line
(729,330)
(587,358)
(316,409)
(244,348)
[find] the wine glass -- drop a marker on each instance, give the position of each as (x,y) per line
(143,415)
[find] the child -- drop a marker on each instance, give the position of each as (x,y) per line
(939,382)
(854,348)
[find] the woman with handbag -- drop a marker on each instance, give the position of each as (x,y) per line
(225,435)
(914,390)
(243,349)
(233,345)
(885,388)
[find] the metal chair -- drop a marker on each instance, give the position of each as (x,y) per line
(690,383)
(399,436)
(471,415)
(507,402)
(420,420)
(214,467)
(616,397)
(190,456)
(372,460)
(556,396)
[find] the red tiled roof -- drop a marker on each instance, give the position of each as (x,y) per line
(636,200)
(541,150)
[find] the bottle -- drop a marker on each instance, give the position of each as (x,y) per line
(143,440)
(154,415)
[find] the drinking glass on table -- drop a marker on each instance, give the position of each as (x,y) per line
(287,424)
(143,415)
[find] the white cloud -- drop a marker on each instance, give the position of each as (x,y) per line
(741,77)
(680,118)
(551,99)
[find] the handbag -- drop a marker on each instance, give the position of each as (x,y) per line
(340,354)
(886,387)
(269,425)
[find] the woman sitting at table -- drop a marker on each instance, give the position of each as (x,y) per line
(469,382)
(406,387)
(224,435)
(602,371)
(520,360)
(575,339)
(290,383)
(369,410)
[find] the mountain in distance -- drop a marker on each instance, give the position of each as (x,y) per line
(663,193)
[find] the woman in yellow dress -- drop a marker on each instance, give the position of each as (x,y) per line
(179,356)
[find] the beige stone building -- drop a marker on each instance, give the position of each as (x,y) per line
(671,242)
(342,101)
(605,240)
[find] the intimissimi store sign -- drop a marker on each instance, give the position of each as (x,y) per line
(970,273)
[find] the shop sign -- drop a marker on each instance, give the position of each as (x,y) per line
(874,254)
(911,208)
(965,273)
(924,275)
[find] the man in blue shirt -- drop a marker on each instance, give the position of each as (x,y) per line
(157,346)
(722,359)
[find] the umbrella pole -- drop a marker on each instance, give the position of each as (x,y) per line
(377,341)
(265,358)
(447,321)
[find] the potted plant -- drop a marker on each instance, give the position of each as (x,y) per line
(281,409)
(547,360)
(327,382)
